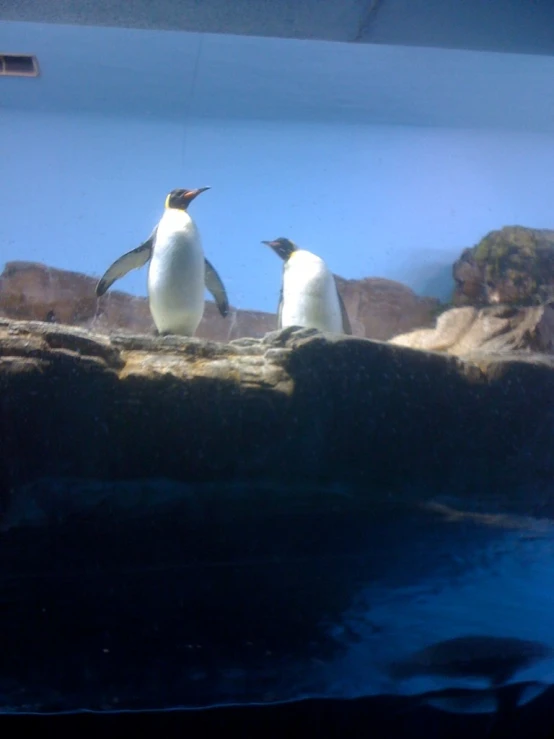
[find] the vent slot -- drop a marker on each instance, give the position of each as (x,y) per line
(18,65)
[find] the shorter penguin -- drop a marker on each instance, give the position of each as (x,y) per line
(309,295)
(178,271)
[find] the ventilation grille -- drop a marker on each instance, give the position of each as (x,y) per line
(18,65)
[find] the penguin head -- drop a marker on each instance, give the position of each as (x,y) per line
(282,247)
(180,199)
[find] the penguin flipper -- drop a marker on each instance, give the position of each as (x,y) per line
(131,260)
(216,287)
(346,327)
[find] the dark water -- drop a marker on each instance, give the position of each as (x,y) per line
(141,596)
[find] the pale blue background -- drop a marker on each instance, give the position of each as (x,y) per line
(386,161)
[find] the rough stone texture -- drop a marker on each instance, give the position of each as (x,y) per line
(462,331)
(377,308)
(297,405)
(513,265)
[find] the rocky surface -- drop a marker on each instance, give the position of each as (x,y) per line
(296,405)
(31,291)
(186,522)
(377,308)
(513,265)
(380,308)
(502,328)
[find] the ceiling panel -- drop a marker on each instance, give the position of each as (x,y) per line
(175,75)
(519,26)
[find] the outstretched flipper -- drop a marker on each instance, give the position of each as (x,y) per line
(131,260)
(346,327)
(216,287)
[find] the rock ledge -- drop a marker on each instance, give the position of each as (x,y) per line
(294,406)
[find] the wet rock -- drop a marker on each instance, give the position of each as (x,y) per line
(513,265)
(497,329)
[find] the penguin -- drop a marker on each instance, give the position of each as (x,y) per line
(309,296)
(178,271)
(495,660)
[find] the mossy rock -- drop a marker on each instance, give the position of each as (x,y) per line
(512,265)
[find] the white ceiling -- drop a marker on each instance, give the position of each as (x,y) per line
(173,75)
(519,26)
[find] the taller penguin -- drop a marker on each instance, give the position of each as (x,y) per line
(309,295)
(178,272)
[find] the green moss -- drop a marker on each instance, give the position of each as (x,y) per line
(516,252)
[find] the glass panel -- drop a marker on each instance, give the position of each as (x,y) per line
(276,337)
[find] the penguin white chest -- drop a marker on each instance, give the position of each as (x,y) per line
(309,294)
(176,275)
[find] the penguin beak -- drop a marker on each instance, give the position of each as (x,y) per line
(277,248)
(189,196)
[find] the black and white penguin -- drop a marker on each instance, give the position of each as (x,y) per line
(309,295)
(178,272)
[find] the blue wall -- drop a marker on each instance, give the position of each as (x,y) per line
(373,201)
